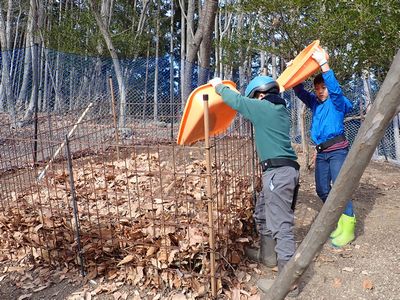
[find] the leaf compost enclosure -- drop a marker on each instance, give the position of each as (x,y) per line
(134,206)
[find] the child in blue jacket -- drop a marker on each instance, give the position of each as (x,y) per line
(329,107)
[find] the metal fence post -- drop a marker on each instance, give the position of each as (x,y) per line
(209,196)
(75,206)
(35,75)
(114,115)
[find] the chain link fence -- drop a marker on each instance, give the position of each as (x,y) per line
(133,189)
(47,82)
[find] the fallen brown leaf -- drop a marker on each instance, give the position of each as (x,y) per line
(25,296)
(368,284)
(126,259)
(337,282)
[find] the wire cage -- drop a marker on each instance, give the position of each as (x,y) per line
(132,205)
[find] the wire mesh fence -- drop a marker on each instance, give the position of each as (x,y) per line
(44,81)
(123,199)
(138,210)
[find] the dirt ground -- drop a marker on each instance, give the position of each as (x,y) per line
(368,268)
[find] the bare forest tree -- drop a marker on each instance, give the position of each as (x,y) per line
(7,99)
(156,71)
(193,41)
(103,21)
(35,24)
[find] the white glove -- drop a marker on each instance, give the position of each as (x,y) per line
(215,81)
(320,56)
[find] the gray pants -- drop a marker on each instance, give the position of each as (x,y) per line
(273,213)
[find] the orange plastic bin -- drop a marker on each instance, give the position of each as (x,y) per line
(221,115)
(302,67)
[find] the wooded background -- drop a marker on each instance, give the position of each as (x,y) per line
(56,56)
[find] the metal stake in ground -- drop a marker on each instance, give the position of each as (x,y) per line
(114,115)
(75,206)
(209,196)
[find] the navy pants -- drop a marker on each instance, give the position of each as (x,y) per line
(327,167)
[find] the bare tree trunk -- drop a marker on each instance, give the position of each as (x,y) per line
(204,31)
(371,132)
(146,79)
(263,62)
(155,95)
(210,12)
(242,58)
(273,61)
(15,45)
(56,80)
(171,70)
(35,8)
(221,31)
(35,81)
(142,18)
(8,25)
(45,103)
(22,96)
(368,100)
(116,63)
(5,75)
(304,141)
(190,24)
(183,51)
(217,70)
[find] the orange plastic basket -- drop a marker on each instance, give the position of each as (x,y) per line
(302,67)
(221,115)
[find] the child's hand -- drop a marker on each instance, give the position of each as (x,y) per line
(320,56)
(215,81)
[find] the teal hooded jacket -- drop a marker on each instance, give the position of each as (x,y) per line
(271,123)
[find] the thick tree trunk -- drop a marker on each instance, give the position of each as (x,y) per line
(203,34)
(206,44)
(5,75)
(372,130)
(116,63)
(36,10)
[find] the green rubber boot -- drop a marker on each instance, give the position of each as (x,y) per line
(347,235)
(338,230)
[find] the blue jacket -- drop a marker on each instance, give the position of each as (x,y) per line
(327,116)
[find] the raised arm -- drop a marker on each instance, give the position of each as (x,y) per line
(309,99)
(245,106)
(334,90)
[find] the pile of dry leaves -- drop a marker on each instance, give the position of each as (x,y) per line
(142,222)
